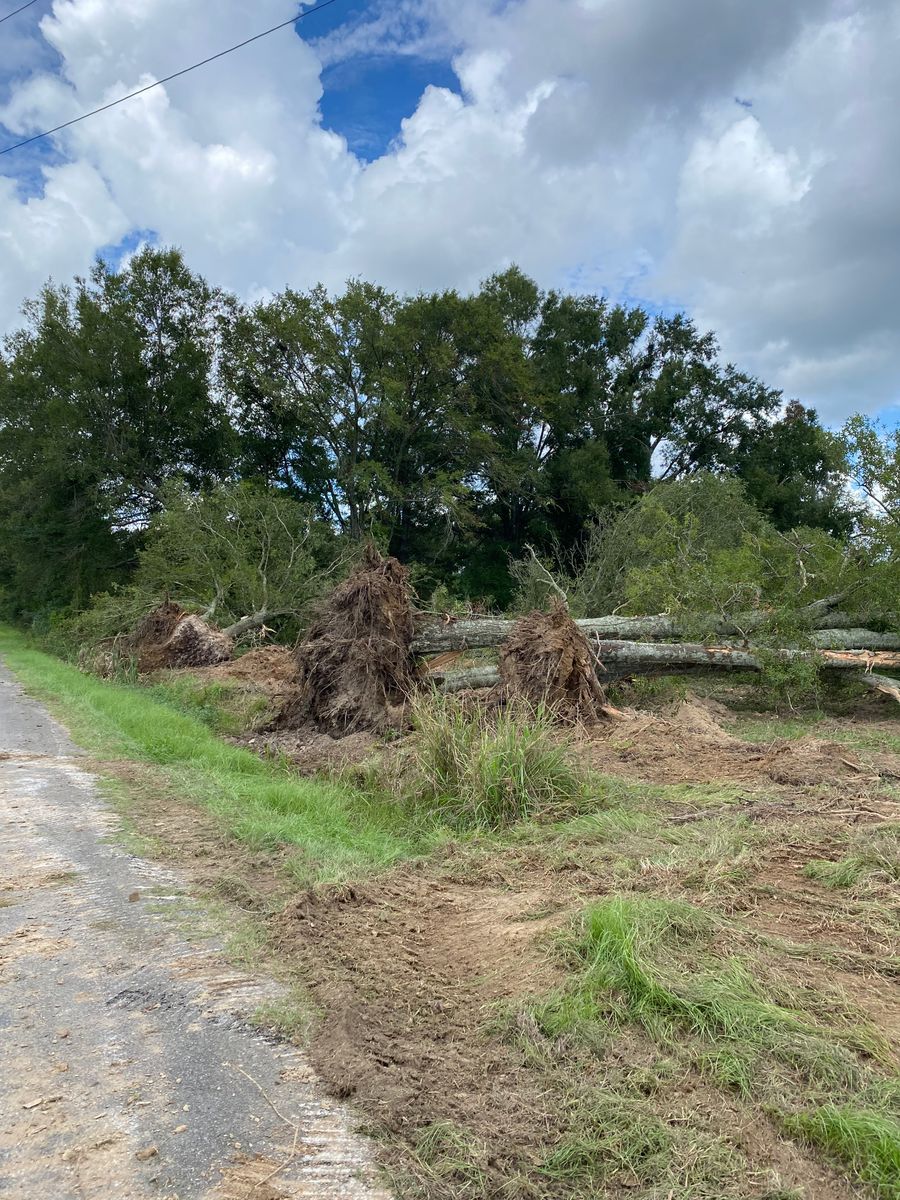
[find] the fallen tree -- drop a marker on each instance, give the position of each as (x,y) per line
(170,637)
(840,631)
(355,669)
(618,658)
(547,660)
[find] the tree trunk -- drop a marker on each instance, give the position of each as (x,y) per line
(879,683)
(616,658)
(255,621)
(484,633)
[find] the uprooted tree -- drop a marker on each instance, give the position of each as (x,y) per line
(359,663)
(241,555)
(546,660)
(355,666)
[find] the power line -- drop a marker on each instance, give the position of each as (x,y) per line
(159,82)
(15,12)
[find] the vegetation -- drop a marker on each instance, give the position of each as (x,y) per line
(657,963)
(143,412)
(158,438)
(488,770)
(335,831)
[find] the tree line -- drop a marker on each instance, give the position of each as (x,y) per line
(461,432)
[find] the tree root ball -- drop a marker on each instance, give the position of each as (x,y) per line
(356,669)
(546,661)
(170,637)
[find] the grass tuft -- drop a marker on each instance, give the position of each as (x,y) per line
(478,770)
(866,1141)
(874,859)
(628,952)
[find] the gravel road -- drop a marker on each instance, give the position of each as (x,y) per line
(127,1067)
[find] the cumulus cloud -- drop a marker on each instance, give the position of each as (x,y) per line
(596,142)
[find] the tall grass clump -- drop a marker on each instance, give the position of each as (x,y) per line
(483,770)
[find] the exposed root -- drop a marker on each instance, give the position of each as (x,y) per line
(170,637)
(356,669)
(547,660)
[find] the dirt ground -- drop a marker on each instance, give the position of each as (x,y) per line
(421,975)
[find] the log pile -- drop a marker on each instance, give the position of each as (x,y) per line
(628,646)
(362,659)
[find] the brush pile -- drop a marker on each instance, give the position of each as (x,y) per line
(546,660)
(355,667)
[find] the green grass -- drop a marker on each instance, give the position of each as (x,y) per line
(874,859)
(480,770)
(867,1141)
(226,708)
(338,833)
(862,736)
(658,964)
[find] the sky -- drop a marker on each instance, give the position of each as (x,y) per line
(739,161)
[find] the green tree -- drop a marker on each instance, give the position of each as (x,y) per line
(104,394)
(699,545)
(240,552)
(796,473)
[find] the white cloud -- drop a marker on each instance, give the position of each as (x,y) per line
(594,141)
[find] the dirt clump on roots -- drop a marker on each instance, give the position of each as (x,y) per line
(355,668)
(170,637)
(546,660)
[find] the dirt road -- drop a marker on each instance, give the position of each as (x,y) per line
(127,1069)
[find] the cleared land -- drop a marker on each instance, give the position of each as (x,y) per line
(667,969)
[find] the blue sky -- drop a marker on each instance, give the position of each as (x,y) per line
(739,161)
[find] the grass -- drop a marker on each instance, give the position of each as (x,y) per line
(227,709)
(479,770)
(658,964)
(338,833)
(874,859)
(869,1142)
(616,1137)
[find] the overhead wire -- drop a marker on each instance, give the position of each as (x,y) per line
(166,79)
(15,12)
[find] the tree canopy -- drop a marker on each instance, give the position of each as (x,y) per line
(455,430)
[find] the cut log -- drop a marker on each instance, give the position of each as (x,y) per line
(485,633)
(616,658)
